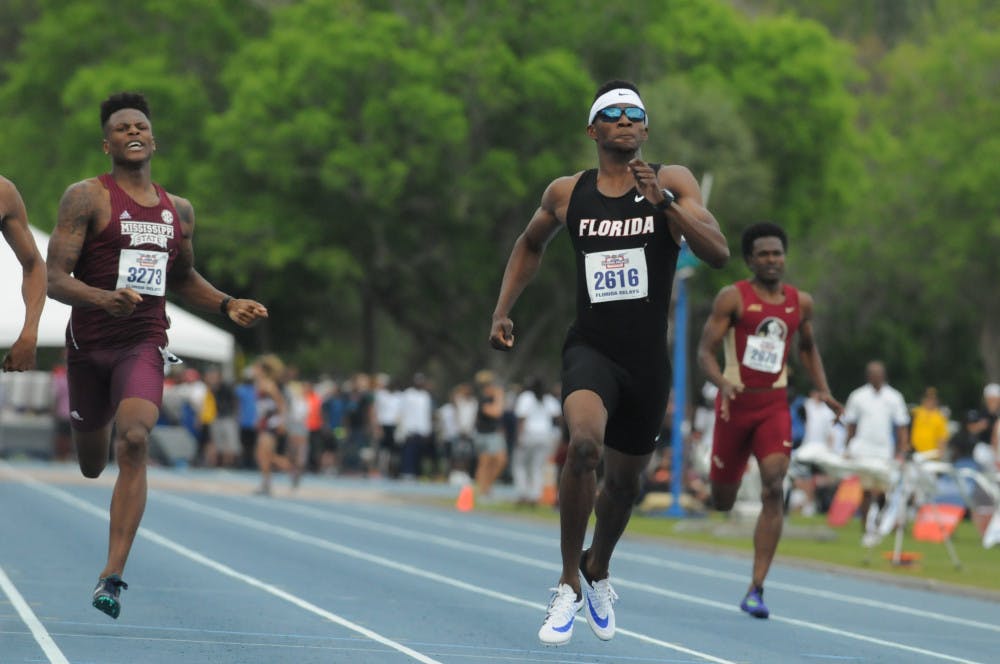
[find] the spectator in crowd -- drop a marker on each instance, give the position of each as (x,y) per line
(990,413)
(818,442)
(192,391)
(446,431)
(362,426)
(387,405)
(929,427)
(508,424)
(453,429)
(489,437)
(702,430)
(414,427)
(314,424)
(246,399)
(962,445)
(538,414)
(272,412)
(987,430)
(873,412)
(296,430)
(334,408)
(224,436)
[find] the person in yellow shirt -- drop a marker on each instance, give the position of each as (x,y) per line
(929,428)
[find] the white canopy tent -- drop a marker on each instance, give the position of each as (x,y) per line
(190,336)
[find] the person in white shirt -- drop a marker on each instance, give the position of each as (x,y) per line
(874,412)
(537,413)
(456,423)
(817,447)
(387,404)
(414,426)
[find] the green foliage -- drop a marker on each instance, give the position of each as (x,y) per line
(364,166)
(77,53)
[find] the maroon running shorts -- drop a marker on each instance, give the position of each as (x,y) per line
(759,423)
(100,379)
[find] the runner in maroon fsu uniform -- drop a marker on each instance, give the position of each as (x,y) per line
(757,319)
(120,241)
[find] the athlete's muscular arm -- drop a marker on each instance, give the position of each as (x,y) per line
(688,215)
(77,215)
(526,256)
(810,357)
(14,222)
(725,311)
(184,280)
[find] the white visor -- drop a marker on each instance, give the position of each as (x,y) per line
(613,97)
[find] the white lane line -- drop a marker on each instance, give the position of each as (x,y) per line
(619,581)
(296,536)
(38,630)
(224,569)
(508,534)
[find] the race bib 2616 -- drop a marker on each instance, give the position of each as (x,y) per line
(616,275)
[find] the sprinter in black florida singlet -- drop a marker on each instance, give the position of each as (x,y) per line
(626,220)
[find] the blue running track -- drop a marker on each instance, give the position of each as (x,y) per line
(361,572)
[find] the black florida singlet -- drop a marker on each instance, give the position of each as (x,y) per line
(625,262)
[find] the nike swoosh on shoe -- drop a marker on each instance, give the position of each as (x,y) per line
(601,622)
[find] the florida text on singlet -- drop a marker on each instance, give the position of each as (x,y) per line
(135,250)
(757,345)
(625,262)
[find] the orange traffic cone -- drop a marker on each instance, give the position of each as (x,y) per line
(466,499)
(550,492)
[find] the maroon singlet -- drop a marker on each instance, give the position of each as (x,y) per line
(764,365)
(136,249)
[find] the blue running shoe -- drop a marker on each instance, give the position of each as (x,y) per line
(753,604)
(106,595)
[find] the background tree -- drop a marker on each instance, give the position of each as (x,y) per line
(364,166)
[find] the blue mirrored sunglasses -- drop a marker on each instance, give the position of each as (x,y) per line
(613,113)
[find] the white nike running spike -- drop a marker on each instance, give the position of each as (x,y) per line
(600,599)
(557,629)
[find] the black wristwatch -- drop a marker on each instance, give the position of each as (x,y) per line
(668,198)
(224,305)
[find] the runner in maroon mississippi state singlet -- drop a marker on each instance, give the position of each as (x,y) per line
(120,241)
(113,358)
(135,250)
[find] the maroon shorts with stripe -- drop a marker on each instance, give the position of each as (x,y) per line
(759,423)
(100,379)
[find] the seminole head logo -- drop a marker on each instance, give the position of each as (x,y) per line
(772,328)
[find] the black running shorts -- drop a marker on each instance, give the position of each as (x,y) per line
(635,397)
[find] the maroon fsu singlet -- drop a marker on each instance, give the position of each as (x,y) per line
(757,344)
(757,347)
(136,250)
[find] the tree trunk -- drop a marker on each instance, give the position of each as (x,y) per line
(369,342)
(989,344)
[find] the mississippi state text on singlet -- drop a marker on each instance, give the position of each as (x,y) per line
(135,250)
(625,262)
